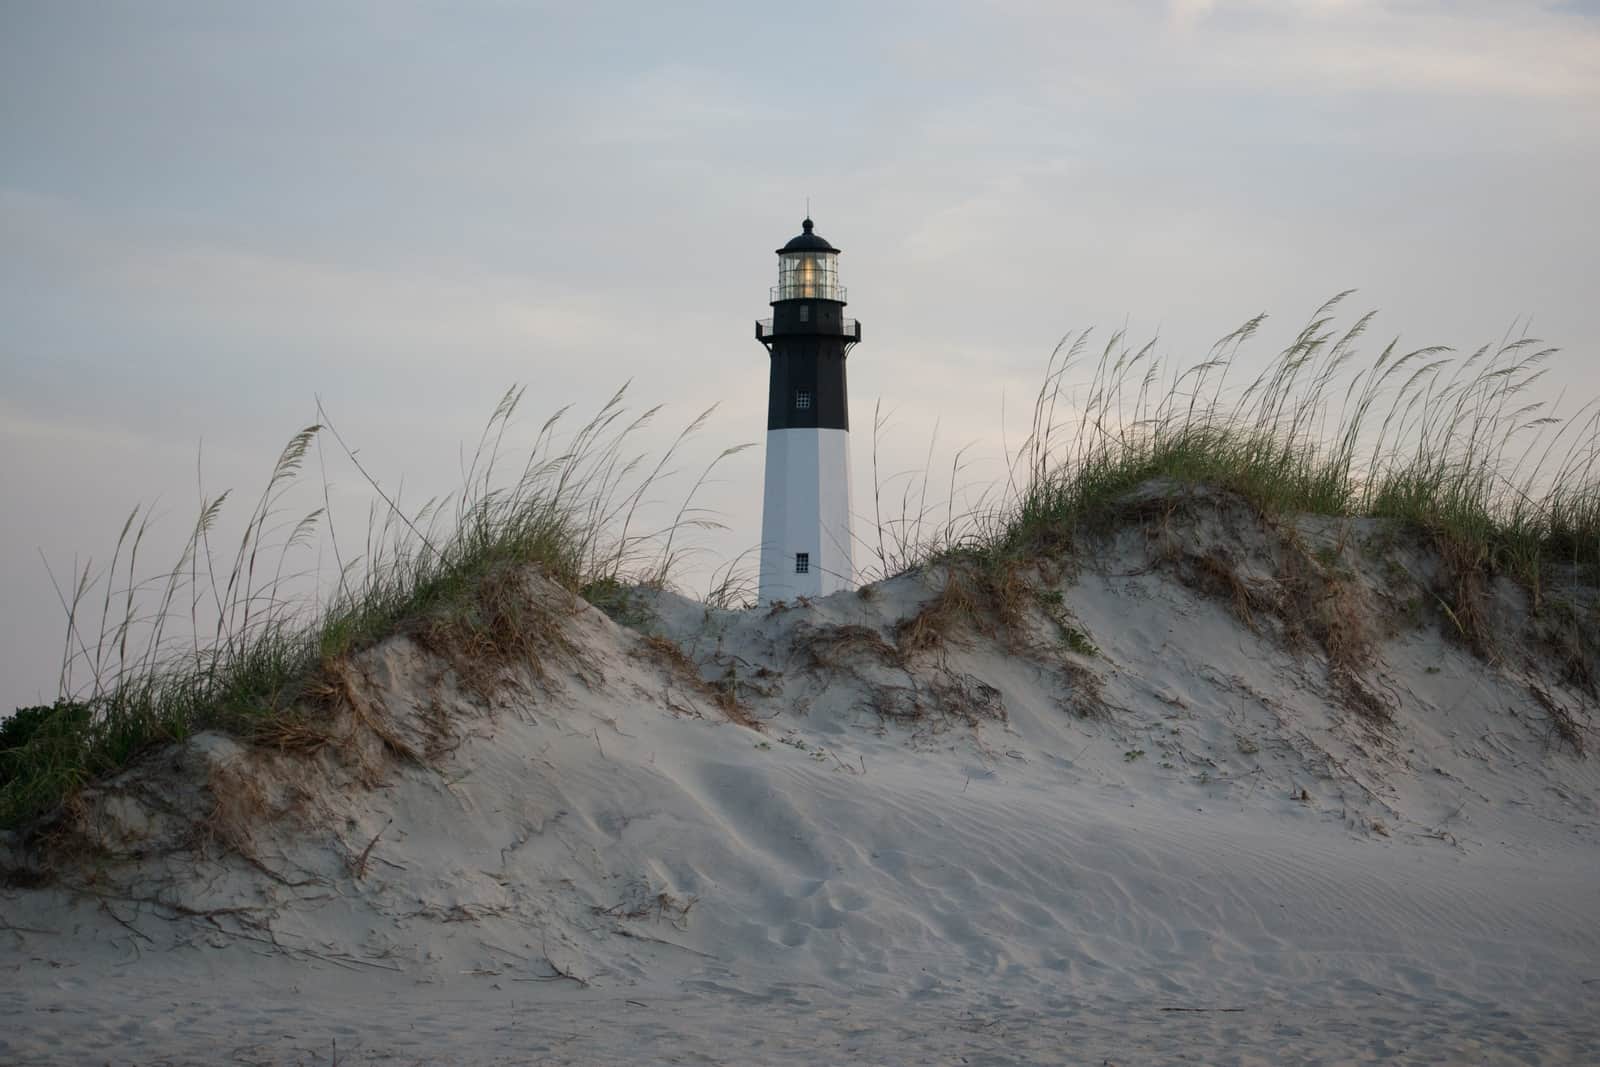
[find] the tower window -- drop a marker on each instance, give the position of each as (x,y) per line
(805,312)
(802,563)
(802,399)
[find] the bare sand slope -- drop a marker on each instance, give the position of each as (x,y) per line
(1217,792)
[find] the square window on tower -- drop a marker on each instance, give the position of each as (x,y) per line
(802,400)
(802,563)
(805,312)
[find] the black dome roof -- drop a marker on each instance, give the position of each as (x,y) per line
(807,242)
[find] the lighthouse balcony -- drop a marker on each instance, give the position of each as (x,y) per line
(810,290)
(850,329)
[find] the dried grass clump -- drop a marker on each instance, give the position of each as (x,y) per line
(1464,596)
(1320,604)
(1307,601)
(725,694)
(1214,573)
(1360,698)
(338,716)
(1563,725)
(511,623)
(928,693)
(832,647)
(951,697)
(930,628)
(992,596)
(1085,692)
(722,693)
(670,654)
(643,901)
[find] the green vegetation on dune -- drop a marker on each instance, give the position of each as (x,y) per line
(1451,445)
(1454,446)
(570,510)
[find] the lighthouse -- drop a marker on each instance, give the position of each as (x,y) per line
(806,548)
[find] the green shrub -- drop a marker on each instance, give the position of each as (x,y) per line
(39,726)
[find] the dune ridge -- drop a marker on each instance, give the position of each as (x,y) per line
(1210,784)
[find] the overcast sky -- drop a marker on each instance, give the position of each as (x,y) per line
(211,214)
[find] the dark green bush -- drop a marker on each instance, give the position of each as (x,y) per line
(42,722)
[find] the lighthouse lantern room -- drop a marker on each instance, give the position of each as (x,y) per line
(806,547)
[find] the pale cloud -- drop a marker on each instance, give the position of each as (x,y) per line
(1513,47)
(1189,12)
(27,431)
(1407,51)
(667,103)
(387,313)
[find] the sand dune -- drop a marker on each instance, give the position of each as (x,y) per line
(1208,791)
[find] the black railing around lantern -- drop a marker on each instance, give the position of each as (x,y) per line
(850,328)
(815,291)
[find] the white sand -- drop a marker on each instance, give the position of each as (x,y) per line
(1231,867)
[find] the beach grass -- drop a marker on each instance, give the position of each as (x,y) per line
(1453,445)
(217,640)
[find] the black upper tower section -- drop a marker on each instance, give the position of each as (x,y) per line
(808,338)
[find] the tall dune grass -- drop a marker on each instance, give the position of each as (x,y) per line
(217,640)
(1452,444)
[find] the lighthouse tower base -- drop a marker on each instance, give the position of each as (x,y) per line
(806,547)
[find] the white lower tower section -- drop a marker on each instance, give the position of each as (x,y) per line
(806,548)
